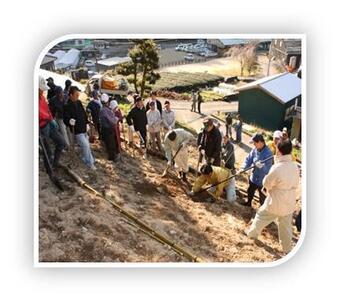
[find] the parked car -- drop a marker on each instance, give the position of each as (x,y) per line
(89,63)
(189,57)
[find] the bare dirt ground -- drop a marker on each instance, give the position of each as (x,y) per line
(75,226)
(224,66)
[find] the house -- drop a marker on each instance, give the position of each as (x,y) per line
(287,52)
(69,60)
(48,62)
(272,103)
(111,63)
(74,43)
(221,46)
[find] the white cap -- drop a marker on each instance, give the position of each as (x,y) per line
(113,104)
(42,84)
(277,134)
(104,98)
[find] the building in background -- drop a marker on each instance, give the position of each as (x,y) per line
(48,62)
(272,103)
(287,52)
(111,63)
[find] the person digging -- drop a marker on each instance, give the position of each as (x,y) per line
(212,175)
(175,142)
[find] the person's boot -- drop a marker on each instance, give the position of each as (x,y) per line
(184,177)
(180,175)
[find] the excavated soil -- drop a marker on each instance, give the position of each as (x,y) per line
(76,226)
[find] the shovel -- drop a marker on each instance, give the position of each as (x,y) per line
(167,167)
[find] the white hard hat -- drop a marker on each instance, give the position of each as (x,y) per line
(104,98)
(113,104)
(42,84)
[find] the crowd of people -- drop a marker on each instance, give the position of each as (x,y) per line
(63,121)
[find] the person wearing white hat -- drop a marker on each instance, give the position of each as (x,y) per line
(277,136)
(117,112)
(108,123)
(48,127)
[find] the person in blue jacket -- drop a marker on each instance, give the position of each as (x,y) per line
(259,153)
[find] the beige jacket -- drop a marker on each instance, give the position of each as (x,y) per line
(281,185)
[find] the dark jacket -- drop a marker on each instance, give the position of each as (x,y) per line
(159,106)
(76,111)
(229,119)
(56,107)
(211,143)
(94,109)
(228,155)
(137,117)
(51,90)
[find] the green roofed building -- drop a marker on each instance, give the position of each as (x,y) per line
(272,103)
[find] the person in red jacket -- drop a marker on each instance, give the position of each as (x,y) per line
(48,127)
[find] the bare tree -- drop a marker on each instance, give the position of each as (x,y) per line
(246,56)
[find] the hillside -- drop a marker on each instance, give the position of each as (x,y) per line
(77,226)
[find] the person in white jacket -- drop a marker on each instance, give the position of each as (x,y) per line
(154,126)
(175,140)
(168,117)
(281,185)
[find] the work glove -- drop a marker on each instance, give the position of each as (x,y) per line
(170,128)
(131,128)
(87,127)
(169,163)
(191,193)
(202,152)
(259,164)
(72,122)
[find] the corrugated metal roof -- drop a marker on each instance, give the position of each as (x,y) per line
(112,61)
(283,87)
(48,59)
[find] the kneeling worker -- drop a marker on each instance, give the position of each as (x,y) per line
(213,175)
(175,147)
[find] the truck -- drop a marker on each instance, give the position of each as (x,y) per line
(115,85)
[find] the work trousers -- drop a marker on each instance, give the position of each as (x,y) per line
(51,132)
(263,218)
(251,192)
(63,131)
(109,138)
(86,153)
(156,140)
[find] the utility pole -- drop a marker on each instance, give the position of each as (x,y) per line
(269,57)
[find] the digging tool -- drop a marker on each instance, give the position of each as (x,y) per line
(48,165)
(143,142)
(73,137)
(233,176)
(173,158)
(123,132)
